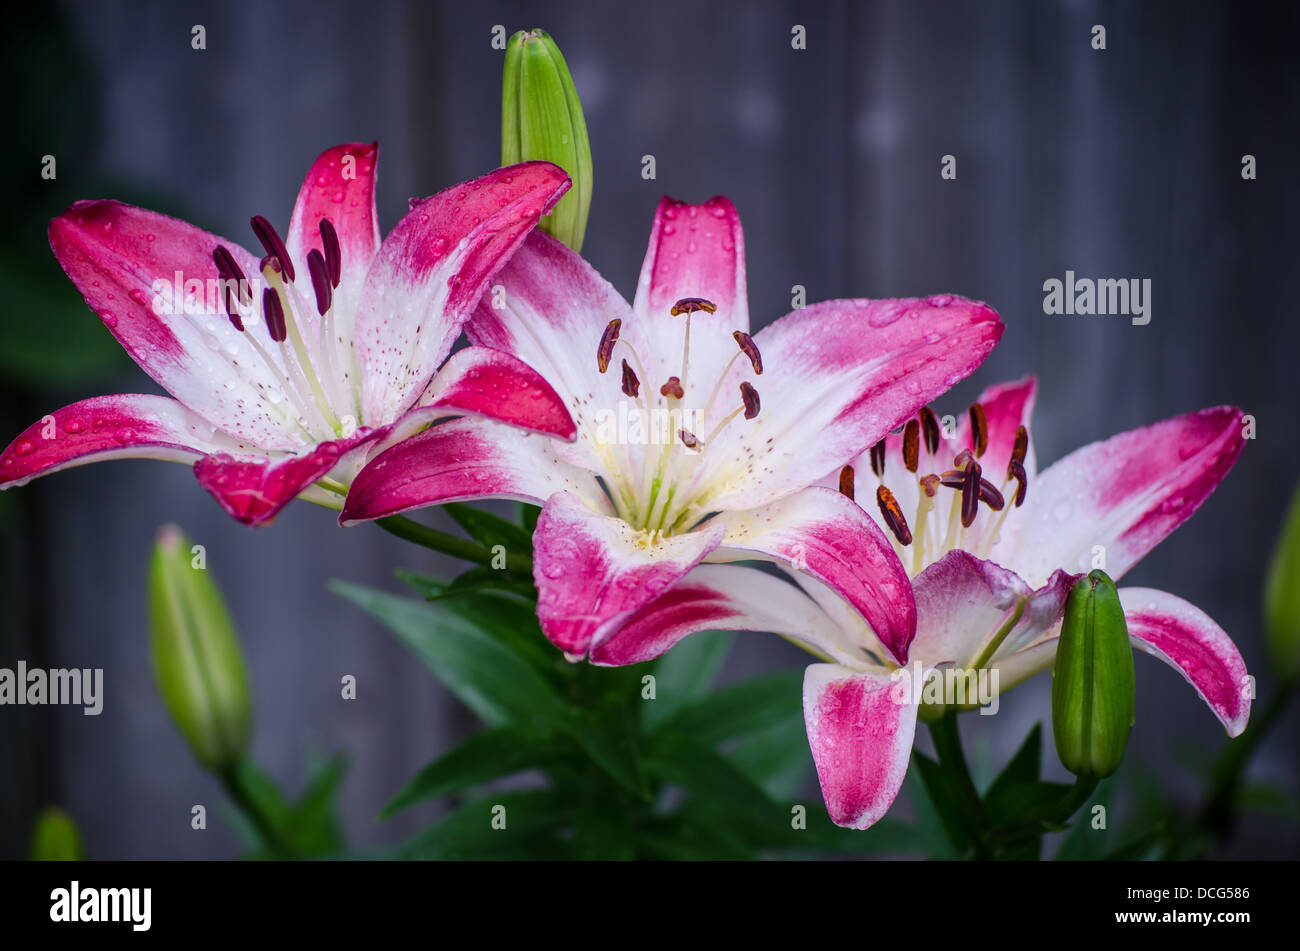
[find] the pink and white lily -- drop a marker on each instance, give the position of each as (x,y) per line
(990,563)
(678,459)
(289,368)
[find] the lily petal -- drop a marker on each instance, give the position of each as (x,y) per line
(125,261)
(130,426)
(723,598)
(1126,494)
(847,372)
(830,537)
(431,270)
(594,571)
(463,459)
(253,490)
(861,734)
(1188,640)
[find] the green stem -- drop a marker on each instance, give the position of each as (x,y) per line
(440,541)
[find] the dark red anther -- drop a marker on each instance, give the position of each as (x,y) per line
(893,515)
(631,385)
(912,445)
(270,239)
(979,428)
(689,305)
(329,240)
(1017,471)
(930,429)
(970,493)
(672,388)
(878,459)
(846,481)
(749,349)
(990,495)
(274,312)
(605,349)
(320,280)
(750,396)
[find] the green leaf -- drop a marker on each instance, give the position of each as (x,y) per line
(685,673)
(742,708)
(533,820)
(486,755)
(485,675)
(483,526)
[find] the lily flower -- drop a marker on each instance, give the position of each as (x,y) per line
(990,568)
(678,458)
(289,366)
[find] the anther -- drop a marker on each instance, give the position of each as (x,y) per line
(270,239)
(672,388)
(749,349)
(990,495)
(979,428)
(930,429)
(320,280)
(893,515)
(607,340)
(1017,471)
(1020,449)
(329,240)
(878,459)
(911,445)
(688,438)
(970,494)
(750,396)
(846,481)
(274,312)
(689,305)
(631,385)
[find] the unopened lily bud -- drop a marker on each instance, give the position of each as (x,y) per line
(1093,688)
(55,837)
(197,663)
(541,119)
(1282,598)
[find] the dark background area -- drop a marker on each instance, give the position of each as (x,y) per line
(1117,163)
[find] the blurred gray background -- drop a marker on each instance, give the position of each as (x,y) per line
(1122,163)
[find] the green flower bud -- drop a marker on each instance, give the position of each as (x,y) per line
(55,837)
(541,119)
(197,663)
(1282,598)
(1093,689)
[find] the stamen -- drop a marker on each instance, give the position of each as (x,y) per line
(329,239)
(1017,471)
(689,305)
(631,385)
(911,445)
(1020,449)
(688,438)
(846,481)
(893,515)
(979,428)
(930,429)
(990,495)
(878,459)
(749,349)
(673,388)
(320,281)
(970,494)
(270,239)
(607,340)
(273,310)
(750,396)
